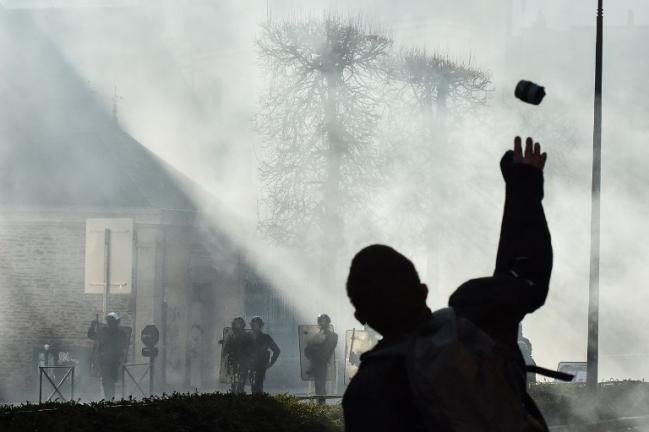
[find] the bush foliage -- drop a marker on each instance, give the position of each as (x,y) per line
(212,412)
(562,404)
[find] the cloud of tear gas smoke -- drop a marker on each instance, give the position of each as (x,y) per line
(183,77)
(551,43)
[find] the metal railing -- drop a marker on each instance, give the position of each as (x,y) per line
(314,397)
(126,373)
(43,372)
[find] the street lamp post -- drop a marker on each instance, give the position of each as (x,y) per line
(593,291)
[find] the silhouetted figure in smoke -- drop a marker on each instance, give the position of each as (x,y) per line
(319,351)
(112,347)
(237,350)
(460,368)
(262,347)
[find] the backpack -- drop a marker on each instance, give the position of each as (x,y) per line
(462,380)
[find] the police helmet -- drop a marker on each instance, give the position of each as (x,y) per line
(322,318)
(112,317)
(239,322)
(257,320)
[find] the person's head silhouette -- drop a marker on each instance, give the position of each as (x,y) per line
(385,289)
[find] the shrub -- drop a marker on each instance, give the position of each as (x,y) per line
(212,412)
(215,412)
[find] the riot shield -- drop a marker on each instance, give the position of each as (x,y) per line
(95,368)
(236,354)
(309,337)
(357,342)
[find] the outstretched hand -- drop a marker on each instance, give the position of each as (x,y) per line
(532,155)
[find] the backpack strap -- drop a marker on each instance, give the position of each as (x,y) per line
(561,376)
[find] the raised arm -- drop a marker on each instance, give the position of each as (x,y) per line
(525,248)
(524,260)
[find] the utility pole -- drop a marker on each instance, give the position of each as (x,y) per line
(107,249)
(593,291)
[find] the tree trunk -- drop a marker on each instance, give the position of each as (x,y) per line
(332,223)
(436,222)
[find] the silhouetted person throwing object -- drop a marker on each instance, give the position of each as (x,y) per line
(112,347)
(459,368)
(319,351)
(262,347)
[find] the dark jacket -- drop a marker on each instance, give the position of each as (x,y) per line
(379,398)
(262,347)
(112,348)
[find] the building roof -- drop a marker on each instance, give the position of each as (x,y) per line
(59,147)
(106,169)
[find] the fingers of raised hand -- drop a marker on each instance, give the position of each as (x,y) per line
(532,154)
(535,157)
(528,149)
(518,150)
(544,157)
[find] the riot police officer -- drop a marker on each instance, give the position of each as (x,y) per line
(262,347)
(319,351)
(112,346)
(237,351)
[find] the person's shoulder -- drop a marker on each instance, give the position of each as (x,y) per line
(500,289)
(372,365)
(387,349)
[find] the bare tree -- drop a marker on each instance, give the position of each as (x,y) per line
(442,88)
(318,119)
(437,96)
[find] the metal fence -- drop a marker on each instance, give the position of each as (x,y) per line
(135,374)
(57,384)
